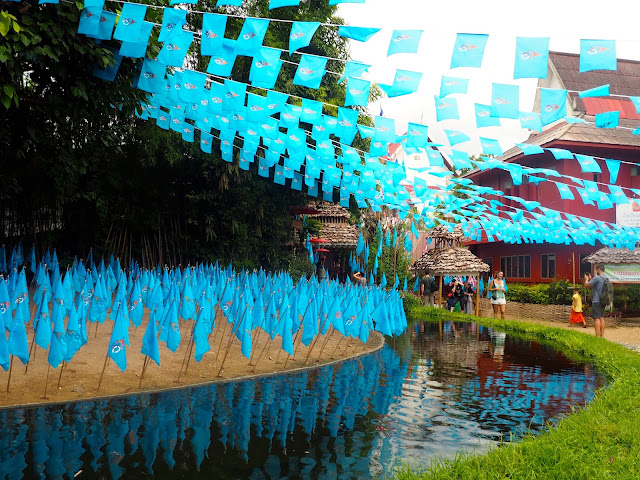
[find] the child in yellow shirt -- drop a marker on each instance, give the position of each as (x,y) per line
(576,309)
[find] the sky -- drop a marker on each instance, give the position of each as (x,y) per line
(564,22)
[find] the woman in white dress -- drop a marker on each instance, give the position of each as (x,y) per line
(498,297)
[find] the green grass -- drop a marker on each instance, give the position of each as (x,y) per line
(600,441)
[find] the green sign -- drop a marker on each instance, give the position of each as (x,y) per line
(623,273)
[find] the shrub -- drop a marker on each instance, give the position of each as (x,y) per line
(300,267)
(519,292)
(411,300)
(561,292)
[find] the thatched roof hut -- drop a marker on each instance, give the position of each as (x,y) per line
(336,228)
(617,256)
(448,256)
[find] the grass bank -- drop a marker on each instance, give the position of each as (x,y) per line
(600,441)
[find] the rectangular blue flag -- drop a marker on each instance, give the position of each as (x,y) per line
(404,41)
(385,129)
(598,55)
(282,3)
(553,105)
(130,22)
(310,71)
(456,137)
(468,50)
(505,100)
(251,36)
(588,164)
(213,28)
(354,69)
(484,117)
(417,135)
(404,83)
(105,27)
(451,85)
(490,146)
(531,121)
(138,47)
(222,62)
(357,92)
(175,49)
(265,67)
(565,191)
(446,109)
(608,119)
(301,35)
(173,19)
(532,57)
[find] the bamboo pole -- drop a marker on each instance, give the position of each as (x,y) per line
(233,337)
(144,367)
(61,369)
(106,360)
(440,292)
(10,370)
(46,382)
(477,309)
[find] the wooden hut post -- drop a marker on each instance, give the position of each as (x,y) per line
(477,314)
(440,293)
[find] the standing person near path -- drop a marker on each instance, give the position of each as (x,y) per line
(597,307)
(576,309)
(426,290)
(498,297)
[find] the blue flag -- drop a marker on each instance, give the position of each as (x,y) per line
(532,57)
(357,92)
(354,69)
(451,85)
(505,100)
(468,50)
(360,34)
(531,121)
(553,105)
(58,346)
(117,345)
(484,117)
(222,62)
(130,22)
(150,346)
(310,71)
(490,146)
(282,3)
(175,49)
(446,109)
(251,36)
(404,41)
(213,28)
(598,55)
(301,35)
(456,137)
(404,83)
(173,20)
(17,342)
(152,75)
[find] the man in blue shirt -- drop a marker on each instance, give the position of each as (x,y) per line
(597,308)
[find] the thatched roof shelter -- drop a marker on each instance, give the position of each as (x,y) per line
(336,228)
(610,256)
(448,256)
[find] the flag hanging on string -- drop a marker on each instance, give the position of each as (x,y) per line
(404,41)
(532,57)
(468,50)
(310,71)
(597,55)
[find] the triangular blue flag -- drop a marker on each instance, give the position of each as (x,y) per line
(614,168)
(360,34)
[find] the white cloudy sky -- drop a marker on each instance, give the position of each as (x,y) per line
(565,22)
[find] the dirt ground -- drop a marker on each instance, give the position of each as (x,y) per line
(80,378)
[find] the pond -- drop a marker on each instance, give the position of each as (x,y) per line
(438,390)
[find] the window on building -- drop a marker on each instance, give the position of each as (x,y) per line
(516,266)
(584,267)
(549,265)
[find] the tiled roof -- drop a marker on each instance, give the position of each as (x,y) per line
(623,81)
(584,133)
(340,234)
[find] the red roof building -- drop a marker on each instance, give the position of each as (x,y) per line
(535,263)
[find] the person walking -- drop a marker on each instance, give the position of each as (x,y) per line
(468,295)
(498,297)
(596,284)
(576,309)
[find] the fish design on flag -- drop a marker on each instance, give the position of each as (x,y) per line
(172,46)
(4,306)
(345,123)
(320,128)
(220,61)
(415,133)
(288,116)
(596,50)
(483,113)
(451,83)
(210,34)
(128,21)
(204,142)
(190,86)
(309,111)
(551,107)
(21,298)
(466,47)
(442,105)
(117,346)
(216,99)
(306,71)
(251,132)
(400,38)
(403,78)
(271,106)
(204,102)
(237,116)
(170,26)
(186,130)
(500,101)
(262,63)
(248,36)
(295,36)
(231,94)
(87,14)
(529,55)
(355,91)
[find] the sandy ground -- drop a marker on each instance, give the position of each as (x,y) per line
(80,378)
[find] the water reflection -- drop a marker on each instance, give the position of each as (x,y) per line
(441,389)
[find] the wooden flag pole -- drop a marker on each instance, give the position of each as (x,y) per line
(233,337)
(315,340)
(10,370)
(326,341)
(477,309)
(336,349)
(32,355)
(222,337)
(187,352)
(298,336)
(144,367)
(106,360)
(61,369)
(46,382)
